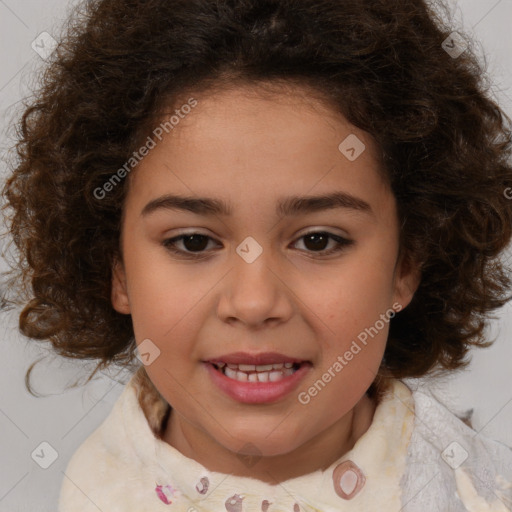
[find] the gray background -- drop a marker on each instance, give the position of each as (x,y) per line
(64,418)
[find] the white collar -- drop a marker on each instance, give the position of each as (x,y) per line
(370,472)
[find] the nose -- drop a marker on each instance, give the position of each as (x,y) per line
(255,292)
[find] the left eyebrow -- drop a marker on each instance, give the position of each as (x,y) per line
(288,206)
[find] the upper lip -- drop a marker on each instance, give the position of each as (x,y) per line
(256,359)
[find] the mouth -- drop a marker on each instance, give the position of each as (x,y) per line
(257,373)
(261,378)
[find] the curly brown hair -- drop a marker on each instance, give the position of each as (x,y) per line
(382,64)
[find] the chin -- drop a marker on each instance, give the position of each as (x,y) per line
(260,446)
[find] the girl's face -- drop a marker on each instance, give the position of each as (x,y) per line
(261,281)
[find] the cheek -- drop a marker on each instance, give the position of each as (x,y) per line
(352,298)
(159,294)
(166,300)
(348,309)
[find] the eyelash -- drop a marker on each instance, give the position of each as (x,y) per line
(341,242)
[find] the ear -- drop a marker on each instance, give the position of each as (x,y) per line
(119,295)
(407,279)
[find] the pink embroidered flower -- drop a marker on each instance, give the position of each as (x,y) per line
(348,479)
(165,493)
(264,505)
(234,504)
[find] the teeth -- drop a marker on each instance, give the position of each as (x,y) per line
(255,367)
(256,373)
(273,376)
(241,376)
(252,377)
(267,376)
(228,372)
(246,367)
(264,368)
(262,376)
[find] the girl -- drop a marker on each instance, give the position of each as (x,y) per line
(282,209)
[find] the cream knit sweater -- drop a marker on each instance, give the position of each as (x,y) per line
(416,456)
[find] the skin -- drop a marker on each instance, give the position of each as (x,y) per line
(250,150)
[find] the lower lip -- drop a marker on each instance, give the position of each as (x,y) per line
(257,392)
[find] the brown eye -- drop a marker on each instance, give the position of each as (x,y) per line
(317,241)
(194,244)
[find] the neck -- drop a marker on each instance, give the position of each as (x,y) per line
(318,453)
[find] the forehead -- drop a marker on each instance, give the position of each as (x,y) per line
(281,119)
(241,140)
